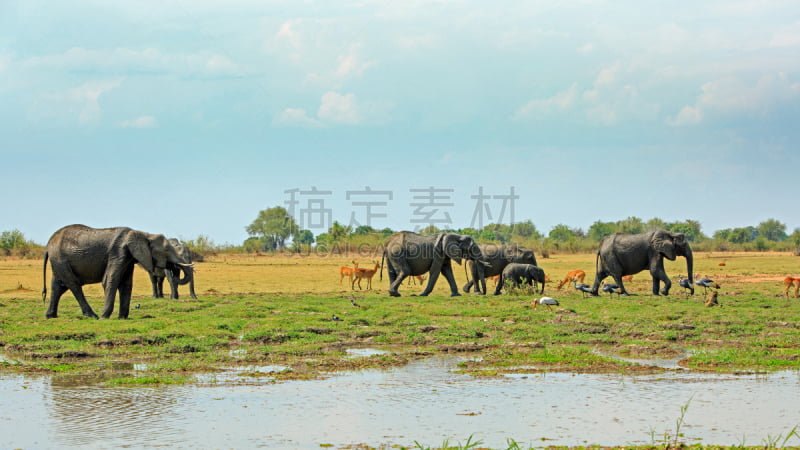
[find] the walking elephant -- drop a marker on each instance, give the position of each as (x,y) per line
(627,254)
(82,255)
(498,256)
(521,273)
(173,274)
(408,253)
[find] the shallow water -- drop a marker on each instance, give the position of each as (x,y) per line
(423,401)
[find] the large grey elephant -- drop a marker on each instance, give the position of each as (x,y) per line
(498,256)
(627,254)
(173,274)
(521,273)
(82,255)
(408,253)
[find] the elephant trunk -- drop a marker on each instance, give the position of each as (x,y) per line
(187,275)
(689,266)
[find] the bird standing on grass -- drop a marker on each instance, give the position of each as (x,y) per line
(706,283)
(686,284)
(549,301)
(611,289)
(584,288)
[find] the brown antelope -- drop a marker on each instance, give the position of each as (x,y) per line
(415,279)
(359,274)
(575,275)
(789,282)
(627,278)
(345,271)
(494,278)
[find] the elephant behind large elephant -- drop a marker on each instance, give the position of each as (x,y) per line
(628,254)
(498,257)
(173,274)
(82,255)
(517,274)
(408,254)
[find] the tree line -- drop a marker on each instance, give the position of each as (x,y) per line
(274,227)
(274,230)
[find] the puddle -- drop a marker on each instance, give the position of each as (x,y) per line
(662,363)
(364,352)
(425,401)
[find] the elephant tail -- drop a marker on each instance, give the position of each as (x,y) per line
(44,277)
(383,256)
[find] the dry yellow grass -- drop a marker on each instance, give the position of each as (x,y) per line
(234,274)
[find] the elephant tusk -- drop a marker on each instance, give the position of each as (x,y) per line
(186,265)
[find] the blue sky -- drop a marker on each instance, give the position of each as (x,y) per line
(188,117)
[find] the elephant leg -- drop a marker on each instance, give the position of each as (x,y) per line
(57,289)
(396,277)
(436,269)
(447,271)
(659,275)
(125,290)
(85,308)
(191,289)
(173,285)
(618,280)
(601,275)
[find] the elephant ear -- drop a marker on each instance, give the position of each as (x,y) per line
(449,245)
(139,245)
(663,244)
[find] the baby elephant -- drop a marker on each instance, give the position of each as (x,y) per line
(521,273)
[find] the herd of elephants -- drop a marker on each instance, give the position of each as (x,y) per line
(82,255)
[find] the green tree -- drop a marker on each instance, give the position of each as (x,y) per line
(655,224)
(339,232)
(364,230)
(561,233)
(743,235)
(304,237)
(723,234)
(795,237)
(772,229)
(599,229)
(525,229)
(12,240)
(632,225)
(275,223)
(691,228)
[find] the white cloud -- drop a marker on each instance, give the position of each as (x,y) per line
(339,108)
(540,108)
(730,95)
(134,61)
(336,109)
(140,122)
(295,117)
(80,103)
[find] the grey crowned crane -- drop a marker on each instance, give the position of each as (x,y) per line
(686,284)
(548,301)
(611,288)
(584,288)
(706,283)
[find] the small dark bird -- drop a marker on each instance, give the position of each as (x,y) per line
(353,302)
(706,283)
(335,318)
(137,306)
(584,288)
(686,284)
(611,288)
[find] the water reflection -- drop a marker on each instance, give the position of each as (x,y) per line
(424,401)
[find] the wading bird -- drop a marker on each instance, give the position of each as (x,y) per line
(686,284)
(706,283)
(611,289)
(584,288)
(549,301)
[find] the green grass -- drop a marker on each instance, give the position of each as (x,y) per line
(756,329)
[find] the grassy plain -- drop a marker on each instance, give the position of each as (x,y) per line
(279,310)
